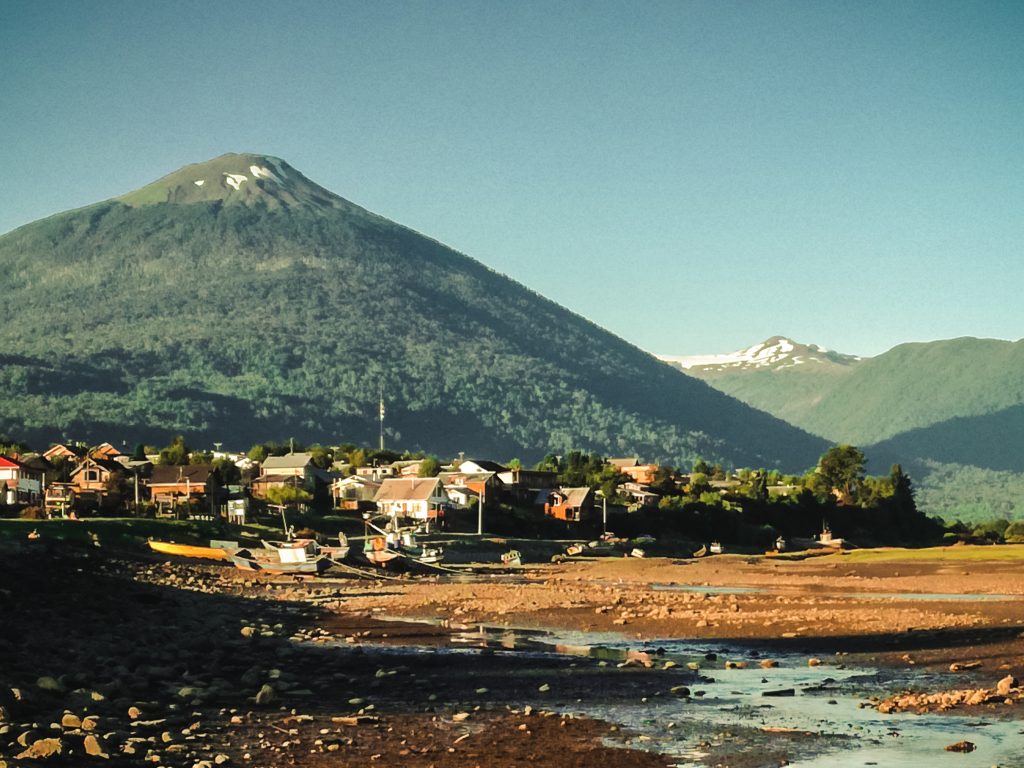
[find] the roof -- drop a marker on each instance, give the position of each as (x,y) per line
(575,497)
(107,464)
(623,463)
(407,489)
(11,463)
(288,461)
(169,474)
(485,465)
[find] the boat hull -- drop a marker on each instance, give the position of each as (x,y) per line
(189,550)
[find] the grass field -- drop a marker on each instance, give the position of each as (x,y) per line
(954,554)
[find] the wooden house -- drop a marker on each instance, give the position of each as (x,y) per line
(353,492)
(19,483)
(171,485)
(415,498)
(92,478)
(574,505)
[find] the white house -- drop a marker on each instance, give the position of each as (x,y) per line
(418,498)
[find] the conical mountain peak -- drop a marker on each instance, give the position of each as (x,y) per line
(235,178)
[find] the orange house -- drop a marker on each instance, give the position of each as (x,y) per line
(573,505)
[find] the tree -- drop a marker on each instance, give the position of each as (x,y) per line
(281,495)
(200,457)
(139,454)
(902,491)
(841,468)
(429,467)
(175,453)
(759,487)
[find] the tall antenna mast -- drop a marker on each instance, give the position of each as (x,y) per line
(382,415)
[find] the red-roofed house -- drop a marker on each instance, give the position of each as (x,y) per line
(19,483)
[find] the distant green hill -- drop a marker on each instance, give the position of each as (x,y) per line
(236,301)
(952,410)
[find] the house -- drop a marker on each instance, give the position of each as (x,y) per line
(19,483)
(377,474)
(353,492)
(644,474)
(623,464)
(483,485)
(62,452)
(105,451)
(476,466)
(173,484)
(639,494)
(418,498)
(59,498)
(573,505)
(292,469)
(407,468)
(93,477)
(295,464)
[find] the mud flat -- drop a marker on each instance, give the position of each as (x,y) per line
(728,661)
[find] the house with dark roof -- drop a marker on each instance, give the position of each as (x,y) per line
(92,478)
(172,484)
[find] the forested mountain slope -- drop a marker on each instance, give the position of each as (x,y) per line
(236,300)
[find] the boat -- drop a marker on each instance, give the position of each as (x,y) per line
(390,544)
(335,552)
(298,560)
(716,548)
(512,557)
(637,552)
(190,550)
(701,552)
(574,549)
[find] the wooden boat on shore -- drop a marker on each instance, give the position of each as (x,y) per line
(701,552)
(336,552)
(287,560)
(190,550)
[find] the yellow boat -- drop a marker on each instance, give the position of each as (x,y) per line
(189,550)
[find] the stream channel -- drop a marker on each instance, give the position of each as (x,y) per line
(821,719)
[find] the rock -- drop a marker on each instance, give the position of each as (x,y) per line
(89,723)
(248,631)
(70,720)
(1004,686)
(960,746)
(768,663)
(680,690)
(50,684)
(780,692)
(960,666)
(25,738)
(41,749)
(92,747)
(544,688)
(134,712)
(221,759)
(814,662)
(265,694)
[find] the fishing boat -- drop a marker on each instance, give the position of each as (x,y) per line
(298,560)
(701,552)
(512,557)
(190,550)
(716,548)
(335,552)
(390,544)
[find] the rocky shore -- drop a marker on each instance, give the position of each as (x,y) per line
(125,658)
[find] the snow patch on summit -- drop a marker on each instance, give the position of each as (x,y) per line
(235,179)
(200,182)
(262,173)
(774,353)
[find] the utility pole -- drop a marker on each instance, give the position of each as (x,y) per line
(480,515)
(382,416)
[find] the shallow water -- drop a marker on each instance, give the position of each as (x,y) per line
(831,728)
(909,596)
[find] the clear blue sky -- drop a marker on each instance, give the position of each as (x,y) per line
(694,176)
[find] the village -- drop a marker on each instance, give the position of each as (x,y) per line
(73,480)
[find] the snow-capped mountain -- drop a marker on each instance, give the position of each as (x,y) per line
(775,353)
